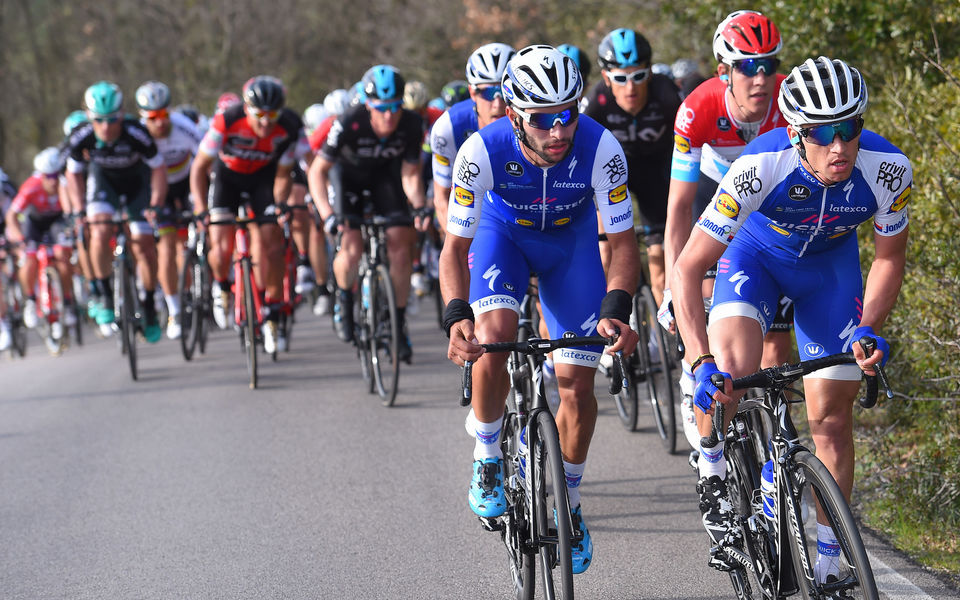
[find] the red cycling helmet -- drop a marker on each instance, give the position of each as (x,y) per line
(226,100)
(746,34)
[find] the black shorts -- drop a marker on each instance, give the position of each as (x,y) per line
(229,189)
(382,190)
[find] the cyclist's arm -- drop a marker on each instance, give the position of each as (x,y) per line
(200,180)
(282,184)
(76,186)
(318,177)
(699,253)
(622,275)
(158,185)
(13,232)
(679,217)
(455,284)
(413,184)
(883,286)
(440,195)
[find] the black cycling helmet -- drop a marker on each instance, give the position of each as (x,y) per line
(623,48)
(264,92)
(578,56)
(455,91)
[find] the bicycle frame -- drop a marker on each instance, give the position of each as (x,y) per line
(48,300)
(242,253)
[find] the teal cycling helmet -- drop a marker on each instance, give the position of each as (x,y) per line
(578,56)
(103,98)
(622,48)
(383,82)
(73,119)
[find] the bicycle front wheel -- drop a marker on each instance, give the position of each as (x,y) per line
(250,320)
(551,508)
(126,304)
(54,310)
(516,531)
(189,319)
(385,338)
(810,478)
(659,375)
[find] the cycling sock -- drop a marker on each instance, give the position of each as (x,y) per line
(106,288)
(149,303)
(220,286)
(488,440)
(712,461)
(173,304)
(94,286)
(828,554)
(573,473)
(401,318)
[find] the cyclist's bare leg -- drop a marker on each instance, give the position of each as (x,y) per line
(61,257)
(318,254)
(400,243)
(490,381)
(271,252)
(657,275)
(27,273)
(301,226)
(347,259)
(100,254)
(145,251)
(167,254)
(776,348)
(830,414)
(221,251)
(577,415)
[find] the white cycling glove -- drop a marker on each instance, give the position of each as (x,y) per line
(664,314)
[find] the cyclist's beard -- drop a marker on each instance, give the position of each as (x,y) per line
(542,153)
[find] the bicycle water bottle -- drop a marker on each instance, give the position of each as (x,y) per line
(767,490)
(365,293)
(522,451)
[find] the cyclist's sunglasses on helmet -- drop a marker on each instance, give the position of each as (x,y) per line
(383,107)
(751,66)
(489,93)
(636,77)
(549,120)
(105,118)
(822,135)
(258,114)
(155,115)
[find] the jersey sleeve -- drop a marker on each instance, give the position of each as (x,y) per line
(609,181)
(212,141)
(297,150)
(414,137)
(729,208)
(472,179)
(685,164)
(444,150)
(892,187)
(26,196)
(331,146)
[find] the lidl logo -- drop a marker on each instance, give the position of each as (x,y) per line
(727,206)
(618,194)
(901,200)
(463,197)
(681,144)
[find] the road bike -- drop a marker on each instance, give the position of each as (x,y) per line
(128,313)
(537,523)
(51,305)
(196,300)
(291,299)
(772,554)
(13,301)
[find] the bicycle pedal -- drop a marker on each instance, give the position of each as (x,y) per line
(491,524)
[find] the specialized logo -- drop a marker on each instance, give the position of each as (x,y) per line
(681,144)
(524,222)
(513,168)
(463,196)
(618,194)
(587,326)
(573,165)
(901,200)
(891,175)
(468,171)
(738,279)
(616,168)
(685,118)
(748,182)
(847,335)
(442,160)
(491,275)
(723,124)
(798,192)
(727,206)
(563,221)
(813,349)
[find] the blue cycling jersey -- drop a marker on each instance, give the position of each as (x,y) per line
(526,219)
(789,234)
(447,135)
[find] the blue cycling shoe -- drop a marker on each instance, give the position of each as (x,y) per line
(105,316)
(486,489)
(582,552)
(151,330)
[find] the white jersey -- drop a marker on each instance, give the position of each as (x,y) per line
(179,148)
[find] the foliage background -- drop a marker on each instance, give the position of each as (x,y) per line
(909,466)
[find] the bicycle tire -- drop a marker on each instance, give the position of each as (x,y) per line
(361,332)
(250,320)
(855,577)
(18,331)
(627,401)
(515,532)
(126,304)
(659,375)
(547,465)
(55,306)
(188,317)
(204,304)
(76,292)
(385,338)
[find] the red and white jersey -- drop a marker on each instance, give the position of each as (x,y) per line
(31,197)
(707,138)
(232,140)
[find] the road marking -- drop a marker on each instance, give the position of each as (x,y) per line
(893,585)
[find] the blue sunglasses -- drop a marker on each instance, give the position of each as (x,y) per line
(549,120)
(489,93)
(387,106)
(823,135)
(751,66)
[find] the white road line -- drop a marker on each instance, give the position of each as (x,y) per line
(893,585)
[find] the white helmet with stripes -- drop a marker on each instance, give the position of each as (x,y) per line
(541,76)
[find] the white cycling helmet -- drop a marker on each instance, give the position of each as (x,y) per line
(337,101)
(48,161)
(152,95)
(488,62)
(541,76)
(822,91)
(313,116)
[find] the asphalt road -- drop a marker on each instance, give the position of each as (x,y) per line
(186,484)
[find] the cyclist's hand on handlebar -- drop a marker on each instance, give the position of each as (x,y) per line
(705,392)
(627,340)
(879,355)
(463,343)
(665,312)
(330,224)
(421,218)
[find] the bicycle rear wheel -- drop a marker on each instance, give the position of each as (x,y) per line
(362,330)
(385,338)
(551,508)
(250,320)
(515,532)
(54,309)
(203,302)
(18,331)
(808,476)
(189,319)
(659,375)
